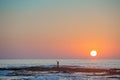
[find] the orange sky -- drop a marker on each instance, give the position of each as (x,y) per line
(59,29)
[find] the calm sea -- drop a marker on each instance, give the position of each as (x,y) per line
(94,63)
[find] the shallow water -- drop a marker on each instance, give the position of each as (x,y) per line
(60,76)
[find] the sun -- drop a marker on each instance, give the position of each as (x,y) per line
(93,53)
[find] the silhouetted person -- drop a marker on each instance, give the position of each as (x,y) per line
(58,65)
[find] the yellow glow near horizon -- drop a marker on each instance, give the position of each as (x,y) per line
(93,53)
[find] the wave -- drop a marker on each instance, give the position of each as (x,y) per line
(63,72)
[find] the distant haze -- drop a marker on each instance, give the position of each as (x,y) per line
(59,28)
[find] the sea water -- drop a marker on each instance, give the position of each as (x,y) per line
(89,63)
(92,63)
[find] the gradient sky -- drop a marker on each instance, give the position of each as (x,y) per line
(59,28)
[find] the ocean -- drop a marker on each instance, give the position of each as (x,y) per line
(92,63)
(48,75)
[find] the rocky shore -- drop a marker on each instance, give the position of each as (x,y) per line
(62,69)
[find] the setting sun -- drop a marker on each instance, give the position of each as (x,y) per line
(93,53)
